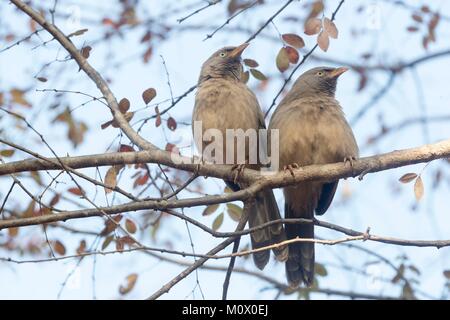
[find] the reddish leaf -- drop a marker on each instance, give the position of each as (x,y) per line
(54,200)
(76,191)
(124,105)
(141,180)
(412,29)
(172,148)
(59,247)
(147,36)
(148,95)
(313,26)
(81,247)
(416,17)
(293,40)
(323,41)
(147,54)
(125,148)
(18,96)
(110,226)
(293,55)
(171,124)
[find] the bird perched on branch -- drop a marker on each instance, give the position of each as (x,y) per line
(312,130)
(224,102)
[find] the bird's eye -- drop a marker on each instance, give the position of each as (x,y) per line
(222,54)
(320,73)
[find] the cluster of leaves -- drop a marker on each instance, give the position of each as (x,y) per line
(252,65)
(426,20)
(288,54)
(233,211)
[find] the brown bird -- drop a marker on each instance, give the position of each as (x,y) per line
(224,102)
(312,130)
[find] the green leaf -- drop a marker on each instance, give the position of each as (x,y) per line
(210,209)
(258,74)
(234,211)
(320,270)
(282,60)
(217,222)
(7,153)
(107,241)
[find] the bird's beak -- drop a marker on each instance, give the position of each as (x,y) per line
(236,53)
(337,72)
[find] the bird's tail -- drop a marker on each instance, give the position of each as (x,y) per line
(261,210)
(300,264)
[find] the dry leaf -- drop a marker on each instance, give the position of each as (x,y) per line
(418,189)
(110,179)
(125,148)
(282,60)
(86,51)
(54,200)
(18,96)
(148,95)
(408,177)
(313,26)
(124,105)
(330,28)
(76,191)
(107,242)
(77,33)
(81,247)
(245,76)
(59,247)
(13,232)
(293,55)
(251,63)
(293,40)
(234,211)
(110,225)
(416,17)
(42,79)
(7,153)
(130,226)
(171,124)
(131,281)
(323,41)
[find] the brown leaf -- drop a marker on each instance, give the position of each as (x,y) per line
(130,226)
(251,63)
(362,81)
(258,74)
(172,148)
(217,222)
(245,76)
(316,8)
(293,40)
(42,79)
(125,148)
(330,28)
(86,51)
(54,200)
(293,55)
(1,99)
(408,177)
(412,29)
(128,116)
(313,26)
(147,54)
(77,33)
(141,180)
(110,179)
(59,247)
(81,247)
(18,96)
(418,189)
(447,274)
(7,153)
(148,95)
(416,17)
(110,226)
(124,105)
(434,21)
(282,60)
(76,191)
(147,36)
(13,232)
(425,9)
(323,41)
(171,124)
(130,283)
(210,209)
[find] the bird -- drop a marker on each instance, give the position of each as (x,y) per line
(312,130)
(223,101)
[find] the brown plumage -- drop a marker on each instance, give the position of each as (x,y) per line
(312,130)
(223,102)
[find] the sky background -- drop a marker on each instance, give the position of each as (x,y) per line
(378,201)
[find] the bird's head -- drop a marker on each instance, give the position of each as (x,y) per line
(224,63)
(319,80)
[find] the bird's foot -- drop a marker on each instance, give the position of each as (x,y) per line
(238,168)
(291,167)
(350,161)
